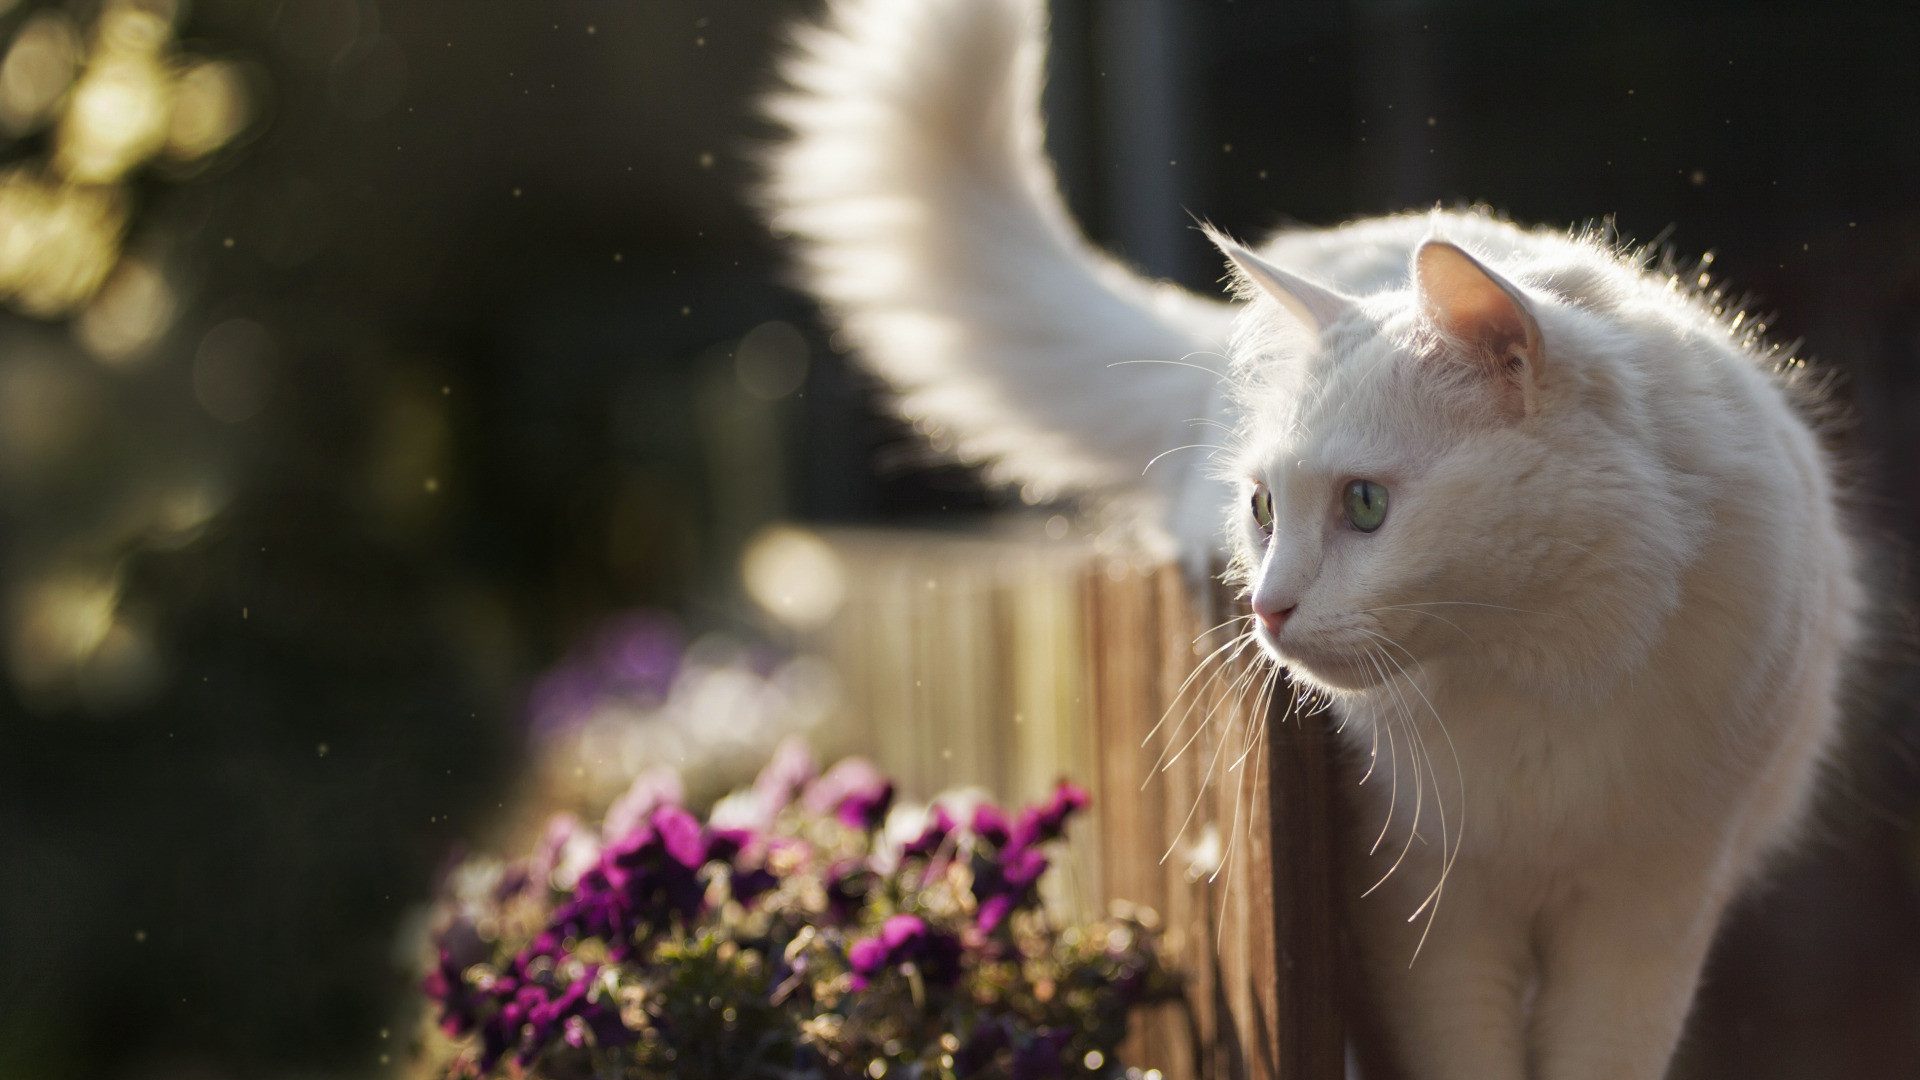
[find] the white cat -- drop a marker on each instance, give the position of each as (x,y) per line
(1538,518)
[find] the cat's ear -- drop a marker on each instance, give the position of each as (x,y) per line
(1484,315)
(1314,306)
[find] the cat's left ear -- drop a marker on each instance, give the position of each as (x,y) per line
(1313,306)
(1485,315)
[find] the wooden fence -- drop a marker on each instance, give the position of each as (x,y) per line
(1007,663)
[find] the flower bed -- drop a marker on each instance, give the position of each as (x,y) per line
(808,928)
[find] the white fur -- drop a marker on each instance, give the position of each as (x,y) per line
(1592,656)
(932,227)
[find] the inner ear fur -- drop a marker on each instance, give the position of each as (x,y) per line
(1485,315)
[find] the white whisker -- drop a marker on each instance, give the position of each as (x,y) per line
(1190,446)
(1456,626)
(1172,363)
(1447,857)
(1242,640)
(1238,690)
(1216,626)
(1165,760)
(1419,787)
(1470,603)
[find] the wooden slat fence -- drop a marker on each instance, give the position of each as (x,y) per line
(1007,663)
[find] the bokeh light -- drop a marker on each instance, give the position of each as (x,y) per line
(116,102)
(57,242)
(120,109)
(56,624)
(128,315)
(209,109)
(795,575)
(37,70)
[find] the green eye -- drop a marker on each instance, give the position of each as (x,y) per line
(1366,504)
(1263,508)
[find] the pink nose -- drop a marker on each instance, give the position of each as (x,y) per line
(1274,620)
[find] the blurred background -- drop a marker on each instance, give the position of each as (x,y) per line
(381,380)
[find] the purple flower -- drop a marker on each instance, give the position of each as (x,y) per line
(649,791)
(866,809)
(575,1017)
(547,1015)
(1023,868)
(645,879)
(1004,883)
(1039,824)
(547,944)
(597,1025)
(680,833)
(990,824)
(866,957)
(751,885)
(459,948)
(939,827)
(853,791)
(530,1013)
(906,939)
(726,845)
(902,932)
(847,884)
(598,908)
(495,1039)
(993,911)
(508,1029)
(1008,867)
(447,986)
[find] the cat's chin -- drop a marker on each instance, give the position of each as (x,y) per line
(1323,670)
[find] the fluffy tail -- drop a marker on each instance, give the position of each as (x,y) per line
(930,224)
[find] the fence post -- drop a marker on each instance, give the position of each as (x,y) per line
(1262,942)
(1308,933)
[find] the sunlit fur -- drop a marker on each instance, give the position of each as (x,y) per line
(1605,638)
(1588,666)
(933,228)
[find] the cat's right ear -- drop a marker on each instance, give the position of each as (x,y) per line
(1314,306)
(1484,315)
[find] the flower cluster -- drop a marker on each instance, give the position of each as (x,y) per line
(808,928)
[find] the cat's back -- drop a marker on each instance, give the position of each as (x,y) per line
(1663,345)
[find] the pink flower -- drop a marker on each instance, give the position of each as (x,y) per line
(906,939)
(1039,824)
(933,836)
(681,835)
(792,768)
(990,824)
(902,931)
(854,791)
(649,791)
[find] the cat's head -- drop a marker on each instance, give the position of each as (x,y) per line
(1454,471)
